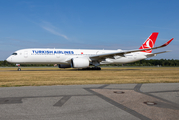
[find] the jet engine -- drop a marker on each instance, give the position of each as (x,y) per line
(80,62)
(64,66)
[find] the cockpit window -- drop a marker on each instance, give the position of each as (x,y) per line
(14,53)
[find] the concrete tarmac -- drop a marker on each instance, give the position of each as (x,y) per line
(91,102)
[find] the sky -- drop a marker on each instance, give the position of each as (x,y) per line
(88,24)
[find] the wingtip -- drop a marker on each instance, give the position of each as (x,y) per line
(167,42)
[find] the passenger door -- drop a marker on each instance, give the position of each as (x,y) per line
(25,54)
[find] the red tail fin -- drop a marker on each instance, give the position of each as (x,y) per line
(149,43)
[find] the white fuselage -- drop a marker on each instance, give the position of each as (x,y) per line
(63,56)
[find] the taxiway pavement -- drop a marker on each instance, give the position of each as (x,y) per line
(91,102)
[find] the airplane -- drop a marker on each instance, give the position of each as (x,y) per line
(83,58)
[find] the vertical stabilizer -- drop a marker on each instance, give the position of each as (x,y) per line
(149,43)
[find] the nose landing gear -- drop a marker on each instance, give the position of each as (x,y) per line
(19,69)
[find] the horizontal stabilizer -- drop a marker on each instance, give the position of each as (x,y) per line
(154,54)
(162,52)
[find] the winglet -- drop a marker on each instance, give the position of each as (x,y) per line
(167,43)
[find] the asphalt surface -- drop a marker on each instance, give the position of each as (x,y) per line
(91,102)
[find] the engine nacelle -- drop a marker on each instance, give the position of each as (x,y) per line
(64,66)
(80,62)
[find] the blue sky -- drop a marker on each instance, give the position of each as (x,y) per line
(88,24)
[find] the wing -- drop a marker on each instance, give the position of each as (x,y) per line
(111,55)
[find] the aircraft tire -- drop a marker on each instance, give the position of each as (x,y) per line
(19,69)
(96,68)
(92,68)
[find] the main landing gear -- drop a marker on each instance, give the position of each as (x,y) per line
(92,68)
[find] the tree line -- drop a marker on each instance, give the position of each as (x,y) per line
(7,64)
(151,62)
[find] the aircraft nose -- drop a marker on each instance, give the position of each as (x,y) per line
(8,59)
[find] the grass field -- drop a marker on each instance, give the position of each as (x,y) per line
(55,76)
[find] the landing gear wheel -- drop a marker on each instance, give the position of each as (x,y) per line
(19,69)
(95,68)
(92,68)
